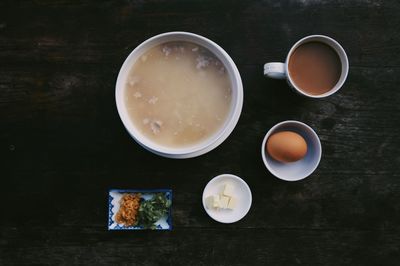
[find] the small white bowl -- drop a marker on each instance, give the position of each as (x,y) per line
(242,194)
(213,141)
(300,169)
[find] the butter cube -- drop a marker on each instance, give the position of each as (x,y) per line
(224,201)
(228,190)
(213,201)
(232,203)
(209,202)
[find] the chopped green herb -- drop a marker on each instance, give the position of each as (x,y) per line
(150,211)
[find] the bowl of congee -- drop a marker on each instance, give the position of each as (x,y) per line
(179,95)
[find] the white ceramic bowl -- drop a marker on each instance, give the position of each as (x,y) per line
(241,191)
(214,140)
(300,169)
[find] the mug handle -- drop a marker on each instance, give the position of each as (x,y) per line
(275,70)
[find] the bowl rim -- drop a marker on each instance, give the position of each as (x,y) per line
(204,146)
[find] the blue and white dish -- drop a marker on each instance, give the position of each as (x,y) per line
(114,196)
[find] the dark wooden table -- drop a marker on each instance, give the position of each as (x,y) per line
(62,144)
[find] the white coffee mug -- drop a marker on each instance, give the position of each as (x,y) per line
(279,70)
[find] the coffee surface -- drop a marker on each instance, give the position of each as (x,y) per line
(315,68)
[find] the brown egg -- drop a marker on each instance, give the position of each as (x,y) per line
(286,146)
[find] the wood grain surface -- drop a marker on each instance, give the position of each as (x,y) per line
(62,144)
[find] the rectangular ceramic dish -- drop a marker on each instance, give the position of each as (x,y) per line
(114,195)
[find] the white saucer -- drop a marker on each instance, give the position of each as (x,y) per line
(242,194)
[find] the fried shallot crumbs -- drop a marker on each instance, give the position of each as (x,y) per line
(128,210)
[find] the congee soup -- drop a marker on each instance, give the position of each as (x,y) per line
(178,94)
